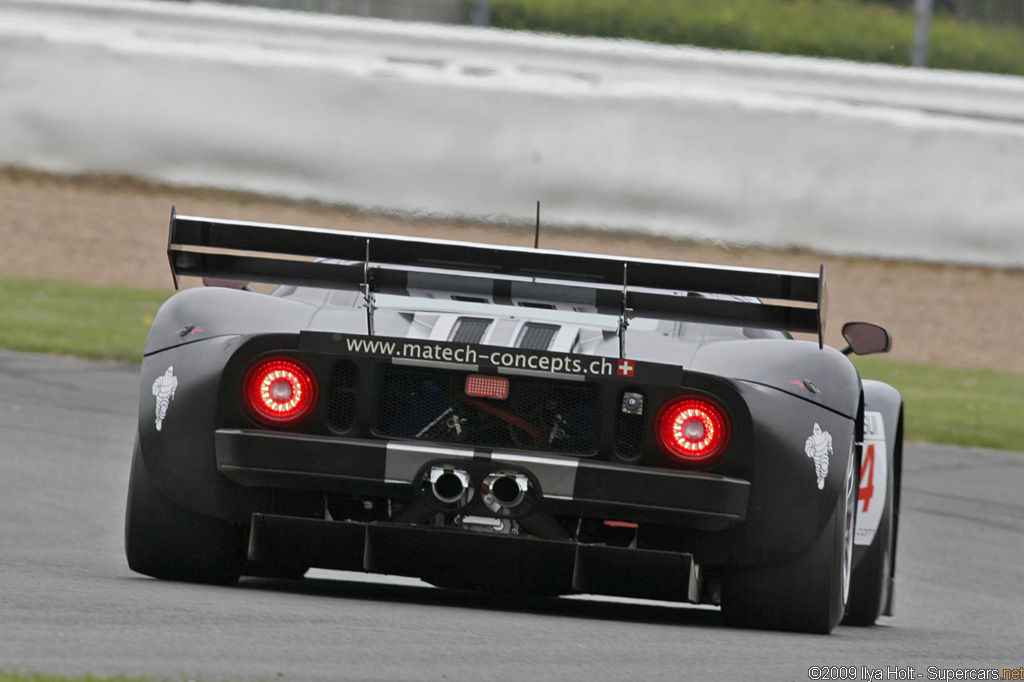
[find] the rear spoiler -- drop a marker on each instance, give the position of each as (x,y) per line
(303,256)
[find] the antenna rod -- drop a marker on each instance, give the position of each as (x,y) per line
(536,234)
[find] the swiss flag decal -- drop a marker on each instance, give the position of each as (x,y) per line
(626,368)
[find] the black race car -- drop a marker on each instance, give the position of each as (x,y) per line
(513,419)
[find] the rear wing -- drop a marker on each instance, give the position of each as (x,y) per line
(303,256)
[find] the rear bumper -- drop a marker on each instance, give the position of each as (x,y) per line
(474,559)
(565,485)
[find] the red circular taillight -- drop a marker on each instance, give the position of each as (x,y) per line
(692,430)
(280,390)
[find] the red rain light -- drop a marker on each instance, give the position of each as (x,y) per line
(280,390)
(692,430)
(480,386)
(621,524)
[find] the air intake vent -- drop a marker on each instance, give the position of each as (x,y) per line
(469,330)
(629,426)
(536,336)
(341,401)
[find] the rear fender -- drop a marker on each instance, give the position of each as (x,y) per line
(205,313)
(178,400)
(790,499)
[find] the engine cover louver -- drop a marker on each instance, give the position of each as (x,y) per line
(536,336)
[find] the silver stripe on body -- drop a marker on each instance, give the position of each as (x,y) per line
(542,374)
(404,460)
(557,476)
(436,364)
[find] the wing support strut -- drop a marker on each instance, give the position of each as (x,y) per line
(369,300)
(625,313)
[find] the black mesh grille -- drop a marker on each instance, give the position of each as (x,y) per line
(341,399)
(629,435)
(537,336)
(470,330)
(539,414)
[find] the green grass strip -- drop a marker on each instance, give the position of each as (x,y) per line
(973,408)
(43,316)
(842,29)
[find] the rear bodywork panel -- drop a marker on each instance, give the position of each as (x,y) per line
(602,508)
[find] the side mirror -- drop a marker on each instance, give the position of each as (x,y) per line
(864,338)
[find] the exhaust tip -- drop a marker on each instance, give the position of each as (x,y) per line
(448,485)
(508,490)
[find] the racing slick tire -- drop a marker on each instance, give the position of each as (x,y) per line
(276,570)
(871,579)
(807,593)
(169,542)
(869,585)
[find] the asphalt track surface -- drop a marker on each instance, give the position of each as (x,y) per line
(69,604)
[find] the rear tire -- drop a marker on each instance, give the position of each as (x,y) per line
(871,580)
(170,542)
(807,593)
(276,571)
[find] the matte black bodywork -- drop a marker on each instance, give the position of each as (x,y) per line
(605,518)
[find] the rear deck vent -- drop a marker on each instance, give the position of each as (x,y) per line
(629,433)
(549,415)
(341,400)
(536,336)
(469,330)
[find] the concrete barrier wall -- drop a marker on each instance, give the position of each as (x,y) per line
(480,123)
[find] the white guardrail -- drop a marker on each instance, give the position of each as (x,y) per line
(447,120)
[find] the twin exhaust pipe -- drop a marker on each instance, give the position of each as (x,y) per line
(499,489)
(448,485)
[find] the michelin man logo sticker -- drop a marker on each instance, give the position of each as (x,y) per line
(163,389)
(819,447)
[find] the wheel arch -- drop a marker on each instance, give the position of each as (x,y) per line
(885,399)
